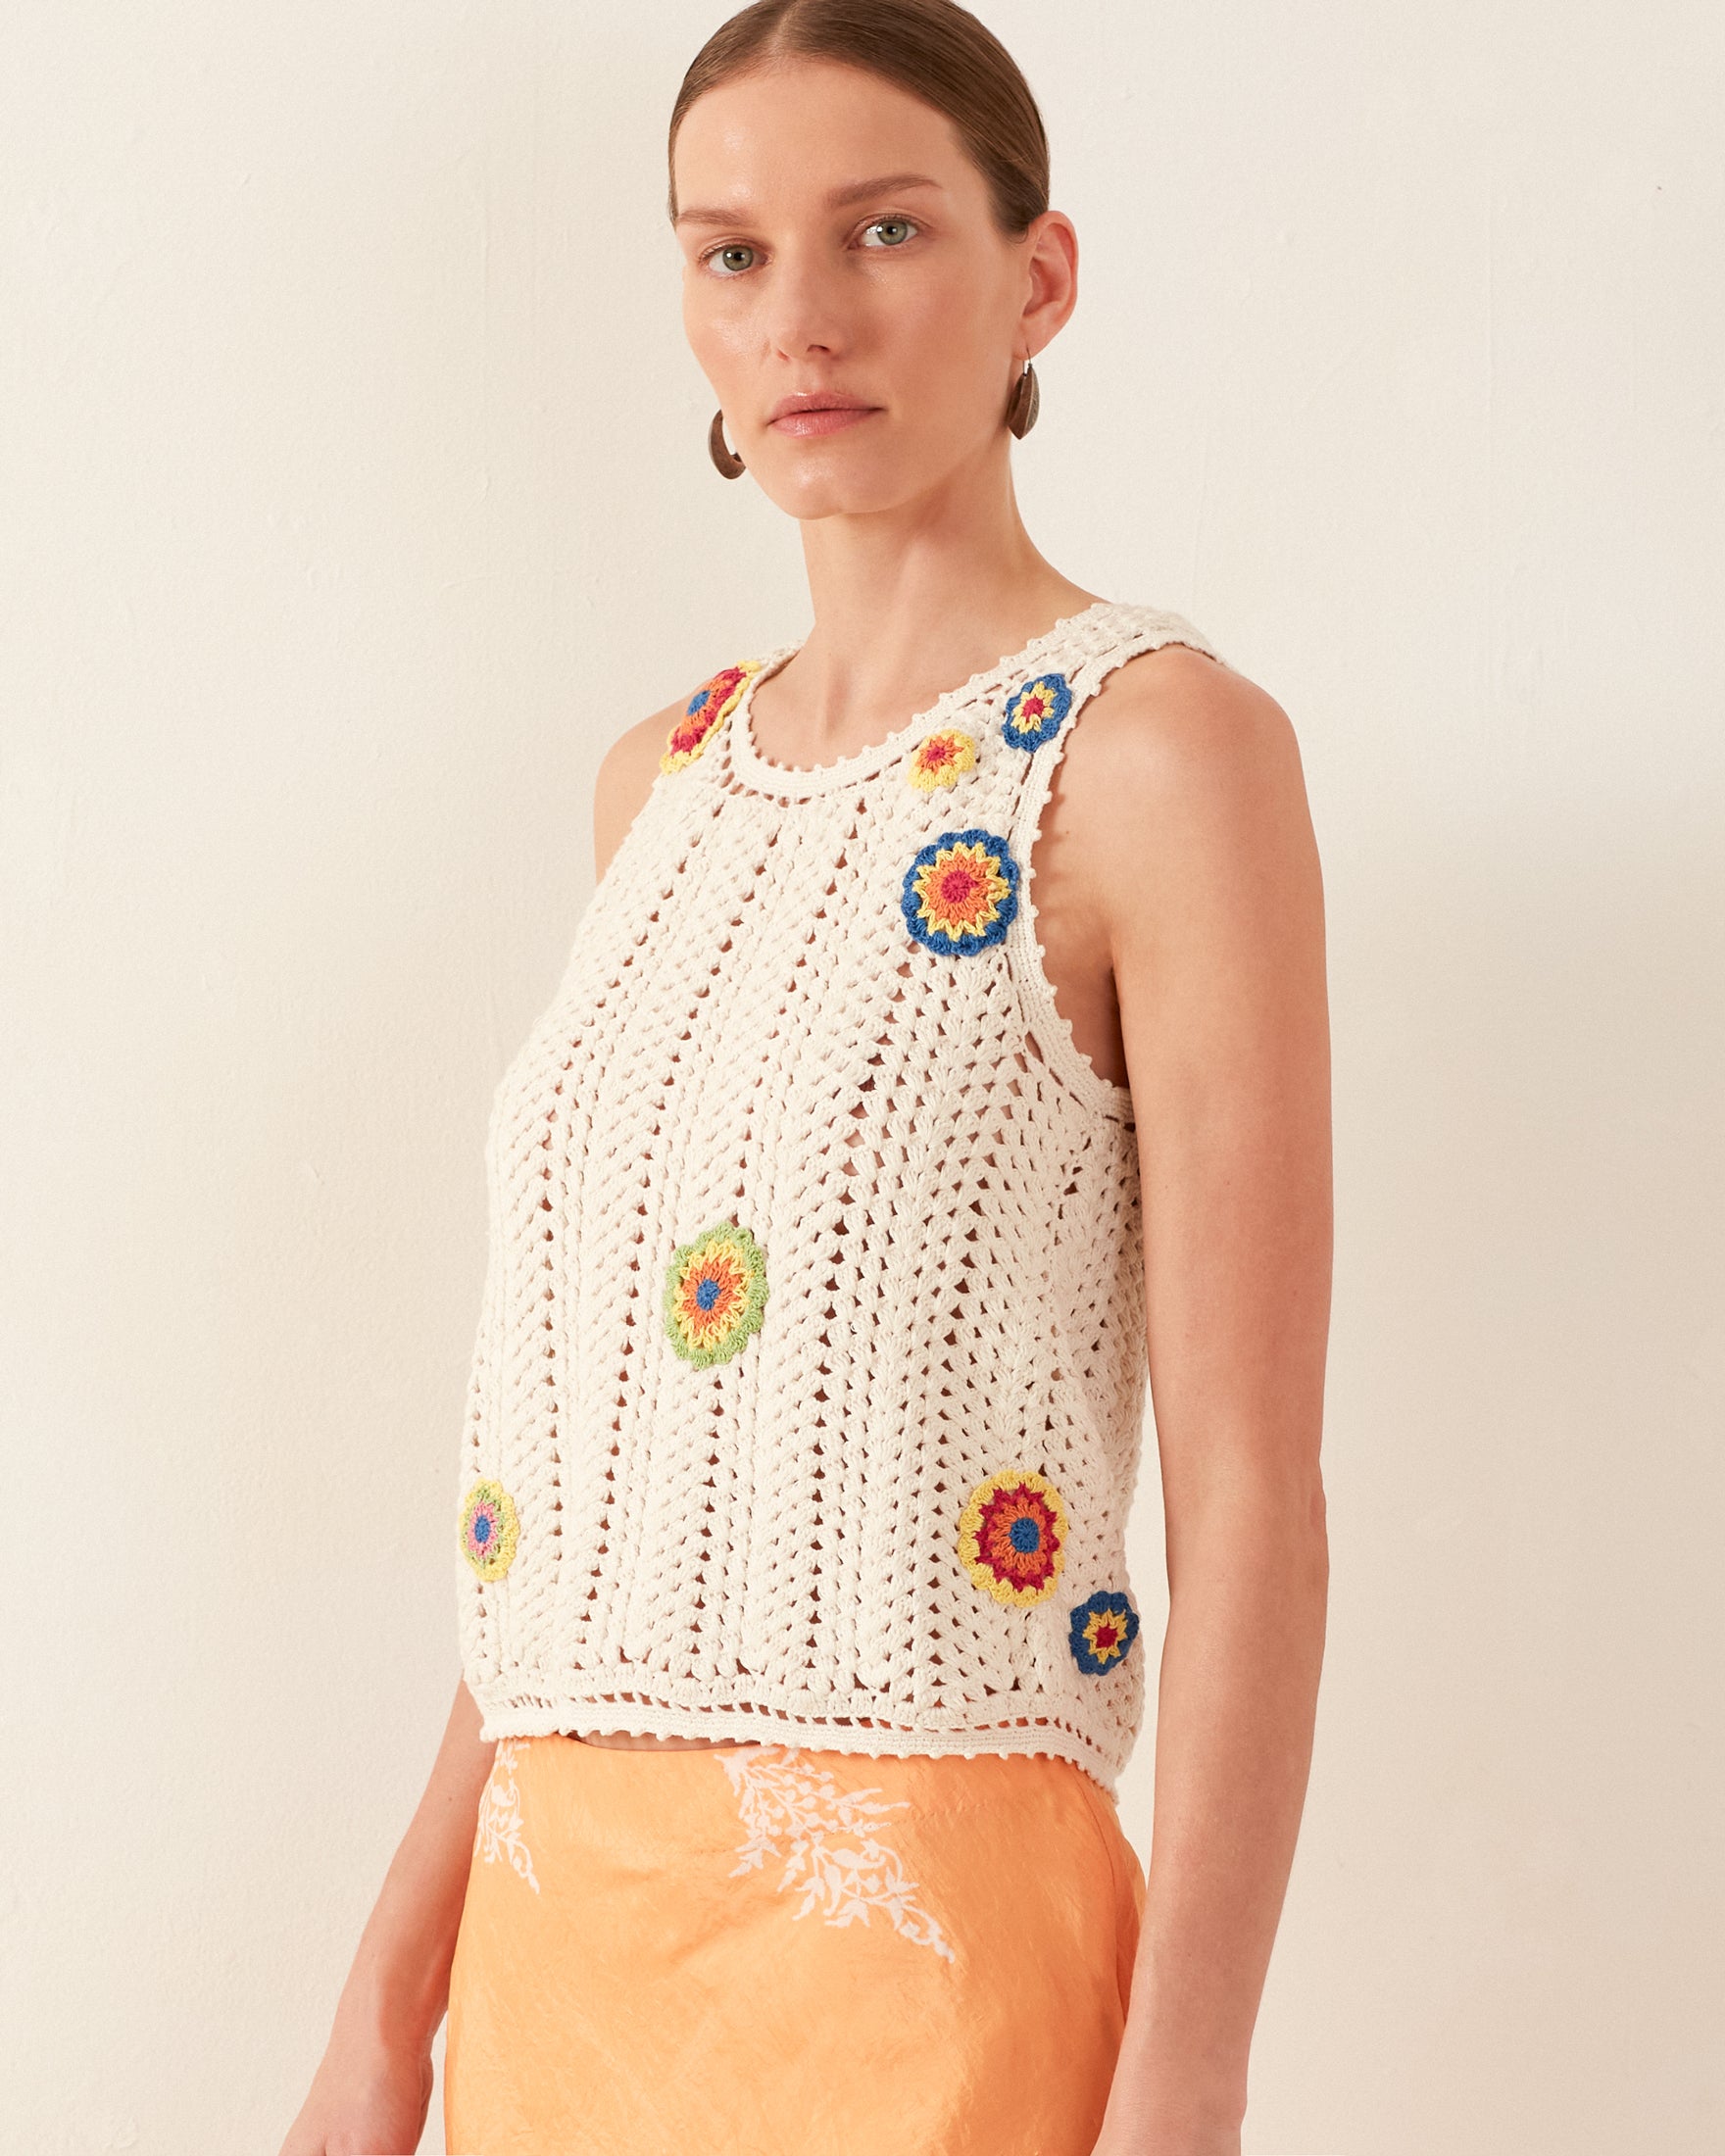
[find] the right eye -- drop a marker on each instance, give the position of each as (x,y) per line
(721,260)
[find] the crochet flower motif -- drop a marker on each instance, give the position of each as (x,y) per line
(1103,1629)
(940,759)
(715,1293)
(960,891)
(490,1530)
(1011,1536)
(499,1835)
(1035,709)
(795,1811)
(706,711)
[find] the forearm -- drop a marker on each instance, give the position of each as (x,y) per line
(398,1987)
(1236,1704)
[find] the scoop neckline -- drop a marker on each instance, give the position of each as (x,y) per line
(795,780)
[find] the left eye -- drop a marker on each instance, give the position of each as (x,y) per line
(896,229)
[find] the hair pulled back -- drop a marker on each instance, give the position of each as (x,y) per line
(935,49)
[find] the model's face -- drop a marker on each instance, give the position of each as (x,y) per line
(836,237)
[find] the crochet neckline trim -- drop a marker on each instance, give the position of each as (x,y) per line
(798,780)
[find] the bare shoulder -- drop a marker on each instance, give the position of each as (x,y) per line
(1176,717)
(626,776)
(1186,781)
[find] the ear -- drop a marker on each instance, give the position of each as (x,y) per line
(1051,274)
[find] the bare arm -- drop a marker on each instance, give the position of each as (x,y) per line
(373,2086)
(626,778)
(399,1982)
(1208,888)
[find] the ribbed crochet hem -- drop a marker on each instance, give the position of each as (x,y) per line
(576,1716)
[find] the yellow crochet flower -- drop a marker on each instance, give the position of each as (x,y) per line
(490,1530)
(940,759)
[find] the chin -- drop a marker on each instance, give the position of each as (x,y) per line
(857,493)
(846,482)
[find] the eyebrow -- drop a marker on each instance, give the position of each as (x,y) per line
(836,198)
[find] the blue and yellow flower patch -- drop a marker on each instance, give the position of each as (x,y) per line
(960,891)
(1035,709)
(1103,1629)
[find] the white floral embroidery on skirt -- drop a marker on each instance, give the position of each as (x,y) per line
(500,1816)
(793,1809)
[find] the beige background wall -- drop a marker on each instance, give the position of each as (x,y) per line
(353,497)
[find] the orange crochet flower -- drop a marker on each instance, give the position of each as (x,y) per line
(704,713)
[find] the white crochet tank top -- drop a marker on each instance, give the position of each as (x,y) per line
(805,1405)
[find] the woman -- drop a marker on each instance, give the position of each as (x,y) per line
(776,1808)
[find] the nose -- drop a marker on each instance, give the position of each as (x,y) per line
(804,307)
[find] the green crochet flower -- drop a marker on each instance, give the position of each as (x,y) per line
(715,1293)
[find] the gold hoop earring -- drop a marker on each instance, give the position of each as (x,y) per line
(1026,402)
(725,460)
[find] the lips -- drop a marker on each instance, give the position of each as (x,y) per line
(814,413)
(816,400)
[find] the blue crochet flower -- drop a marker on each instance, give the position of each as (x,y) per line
(1035,709)
(1103,1629)
(960,891)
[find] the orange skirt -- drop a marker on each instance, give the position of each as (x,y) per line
(788,1952)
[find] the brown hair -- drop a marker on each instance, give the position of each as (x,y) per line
(935,49)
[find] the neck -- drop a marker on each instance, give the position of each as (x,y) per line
(907,602)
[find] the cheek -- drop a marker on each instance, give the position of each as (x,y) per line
(946,348)
(714,328)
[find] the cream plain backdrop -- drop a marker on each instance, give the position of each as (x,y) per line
(355,497)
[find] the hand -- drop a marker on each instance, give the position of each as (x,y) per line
(367,2098)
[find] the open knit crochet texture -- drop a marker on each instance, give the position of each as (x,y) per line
(807,1401)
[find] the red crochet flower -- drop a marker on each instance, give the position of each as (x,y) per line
(1011,1536)
(706,710)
